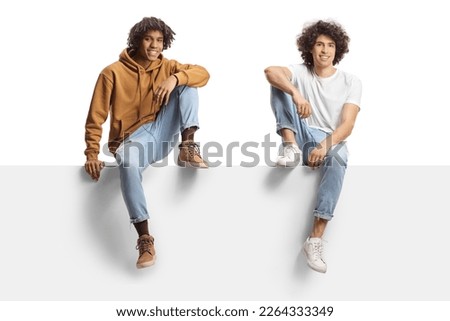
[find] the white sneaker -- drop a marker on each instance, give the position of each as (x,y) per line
(291,156)
(313,249)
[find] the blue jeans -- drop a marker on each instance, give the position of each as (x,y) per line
(151,143)
(335,162)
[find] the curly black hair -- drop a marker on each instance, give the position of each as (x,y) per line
(309,35)
(147,24)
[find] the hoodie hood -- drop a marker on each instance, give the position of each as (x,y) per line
(126,59)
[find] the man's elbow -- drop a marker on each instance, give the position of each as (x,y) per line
(206,77)
(269,70)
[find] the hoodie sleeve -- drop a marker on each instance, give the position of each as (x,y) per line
(97,115)
(190,75)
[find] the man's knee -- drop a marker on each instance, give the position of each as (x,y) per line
(186,91)
(337,156)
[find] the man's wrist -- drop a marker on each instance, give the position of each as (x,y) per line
(324,144)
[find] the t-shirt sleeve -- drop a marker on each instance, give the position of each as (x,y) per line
(355,93)
(293,74)
(297,72)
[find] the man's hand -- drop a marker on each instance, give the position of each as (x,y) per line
(317,156)
(303,107)
(162,93)
(93,168)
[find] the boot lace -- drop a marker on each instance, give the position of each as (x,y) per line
(193,149)
(144,245)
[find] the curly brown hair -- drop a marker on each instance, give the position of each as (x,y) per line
(308,37)
(147,24)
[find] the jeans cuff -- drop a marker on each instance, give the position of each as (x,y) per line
(324,216)
(281,126)
(139,219)
(189,125)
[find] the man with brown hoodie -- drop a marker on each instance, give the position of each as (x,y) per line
(149,100)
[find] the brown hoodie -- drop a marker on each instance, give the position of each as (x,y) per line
(125,90)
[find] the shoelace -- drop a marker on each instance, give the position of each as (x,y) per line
(144,245)
(317,251)
(193,149)
(290,152)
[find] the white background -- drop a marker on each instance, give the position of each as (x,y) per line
(53,51)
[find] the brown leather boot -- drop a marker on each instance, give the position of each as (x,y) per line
(190,155)
(145,245)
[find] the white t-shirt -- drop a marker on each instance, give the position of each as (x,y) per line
(327,96)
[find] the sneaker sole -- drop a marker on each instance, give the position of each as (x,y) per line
(146,264)
(289,164)
(285,166)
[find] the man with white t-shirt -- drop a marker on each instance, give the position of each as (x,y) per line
(315,106)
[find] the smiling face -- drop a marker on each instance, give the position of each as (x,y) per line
(323,52)
(151,46)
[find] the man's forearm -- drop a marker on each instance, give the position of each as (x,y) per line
(340,134)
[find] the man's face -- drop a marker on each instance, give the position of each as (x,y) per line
(151,46)
(323,51)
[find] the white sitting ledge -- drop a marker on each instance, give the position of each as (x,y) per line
(226,233)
